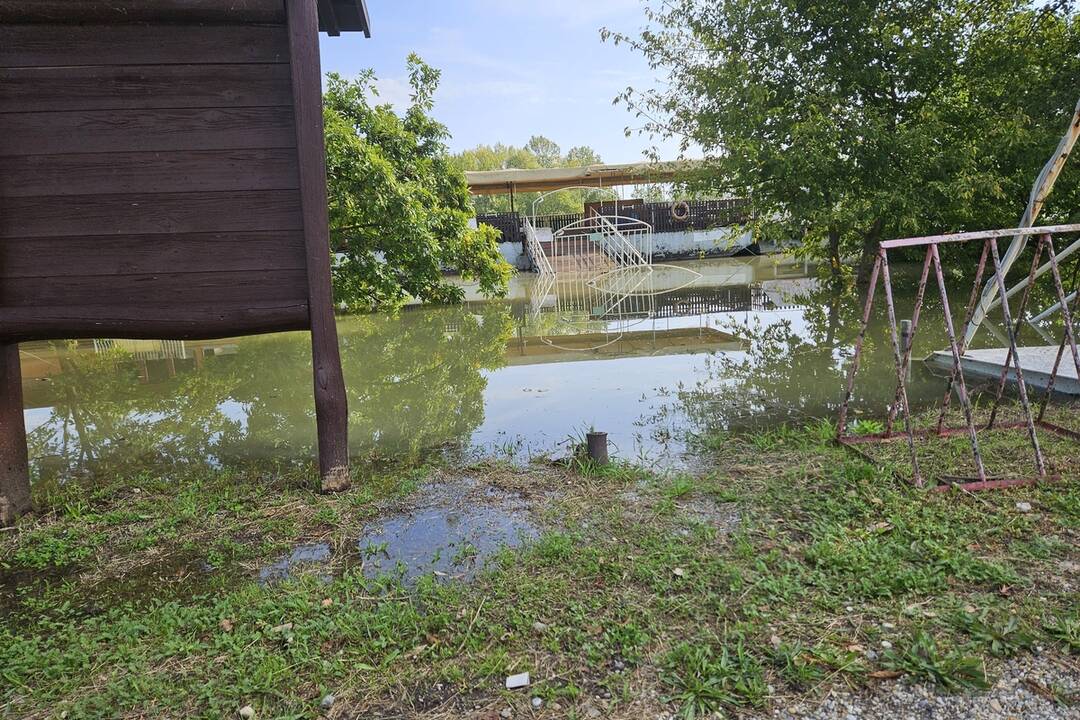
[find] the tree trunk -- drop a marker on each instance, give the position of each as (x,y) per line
(869,253)
(834,253)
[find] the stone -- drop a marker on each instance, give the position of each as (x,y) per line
(886,644)
(1023,507)
(539,627)
(506,712)
(327,702)
(247,712)
(537,703)
(517,681)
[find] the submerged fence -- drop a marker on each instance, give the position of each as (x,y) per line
(678,216)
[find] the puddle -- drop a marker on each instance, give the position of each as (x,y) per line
(301,557)
(450,530)
(706,511)
(452,543)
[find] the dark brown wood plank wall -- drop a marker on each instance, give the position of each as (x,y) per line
(148,161)
(227,288)
(142,87)
(93,131)
(146,214)
(122,12)
(168,171)
(195,321)
(60,257)
(88,45)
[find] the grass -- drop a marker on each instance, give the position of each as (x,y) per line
(791,566)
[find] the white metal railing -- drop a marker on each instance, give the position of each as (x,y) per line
(616,240)
(536,250)
(591,274)
(600,243)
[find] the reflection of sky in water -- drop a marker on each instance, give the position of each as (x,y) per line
(37,417)
(544,404)
(541,405)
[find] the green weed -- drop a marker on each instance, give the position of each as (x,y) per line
(951,670)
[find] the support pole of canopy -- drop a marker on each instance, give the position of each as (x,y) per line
(1044,183)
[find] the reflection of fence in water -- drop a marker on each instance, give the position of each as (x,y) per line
(145,349)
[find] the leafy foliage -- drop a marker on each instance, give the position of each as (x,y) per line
(953,670)
(399,208)
(539,152)
(850,122)
(707,681)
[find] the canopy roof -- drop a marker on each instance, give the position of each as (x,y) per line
(338,16)
(492,182)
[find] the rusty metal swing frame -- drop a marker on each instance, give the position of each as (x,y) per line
(902,356)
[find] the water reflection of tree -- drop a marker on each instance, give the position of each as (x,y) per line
(101,415)
(414,381)
(793,374)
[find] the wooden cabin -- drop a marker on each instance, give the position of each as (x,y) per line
(162,175)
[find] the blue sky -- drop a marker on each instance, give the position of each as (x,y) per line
(510,68)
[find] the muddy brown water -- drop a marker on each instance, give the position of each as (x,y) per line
(718,343)
(694,346)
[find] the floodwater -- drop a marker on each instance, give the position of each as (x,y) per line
(649,358)
(451,530)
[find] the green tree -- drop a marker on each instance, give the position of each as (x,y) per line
(547,152)
(399,207)
(847,123)
(495,157)
(539,152)
(581,156)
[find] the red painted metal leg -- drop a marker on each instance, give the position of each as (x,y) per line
(958,371)
(901,380)
(841,424)
(1057,362)
(1022,386)
(968,315)
(1066,314)
(916,311)
(1019,326)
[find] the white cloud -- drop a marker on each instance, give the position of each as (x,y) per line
(448,47)
(395,91)
(491,89)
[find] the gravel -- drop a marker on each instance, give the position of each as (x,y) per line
(1014,695)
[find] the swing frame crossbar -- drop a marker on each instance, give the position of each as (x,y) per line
(1032,421)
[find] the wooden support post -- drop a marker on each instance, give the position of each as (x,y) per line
(14,468)
(331,408)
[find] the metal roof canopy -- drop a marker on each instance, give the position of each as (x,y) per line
(493,182)
(338,16)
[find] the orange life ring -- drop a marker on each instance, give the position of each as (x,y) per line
(680,210)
